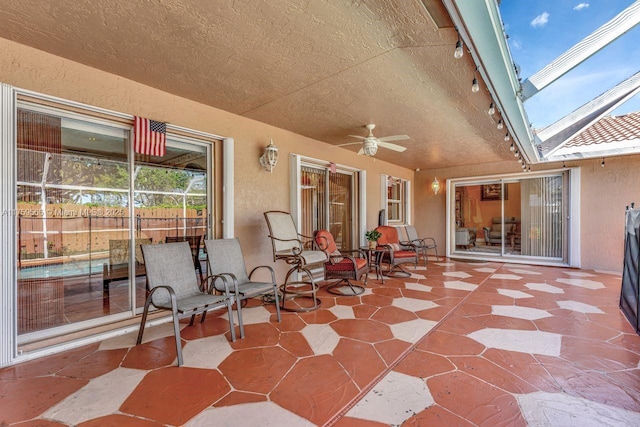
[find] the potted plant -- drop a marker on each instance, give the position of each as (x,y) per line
(372,236)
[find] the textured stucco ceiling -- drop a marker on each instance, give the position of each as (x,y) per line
(322,69)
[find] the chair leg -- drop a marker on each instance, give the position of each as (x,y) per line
(239,310)
(176,332)
(275,295)
(144,320)
(232,328)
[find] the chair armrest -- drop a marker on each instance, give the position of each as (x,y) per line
(273,274)
(223,277)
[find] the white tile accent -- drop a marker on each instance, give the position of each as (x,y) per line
(418,287)
(393,400)
(523,271)
(151,333)
(485,270)
(506,277)
(253,315)
(579,307)
(514,294)
(532,342)
(558,409)
(518,312)
(458,284)
(413,304)
(321,338)
(206,352)
(543,287)
(417,276)
(445,264)
(413,330)
(578,274)
(248,414)
(343,311)
(582,283)
(102,396)
(458,274)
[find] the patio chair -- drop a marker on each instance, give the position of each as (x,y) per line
(296,250)
(173,285)
(343,265)
(194,243)
(422,245)
(225,259)
(395,253)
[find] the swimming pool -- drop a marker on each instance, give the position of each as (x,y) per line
(67,269)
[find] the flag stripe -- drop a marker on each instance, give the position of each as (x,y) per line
(149,137)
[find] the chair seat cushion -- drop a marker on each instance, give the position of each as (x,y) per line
(346,265)
(404,254)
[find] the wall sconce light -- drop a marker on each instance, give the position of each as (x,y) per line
(475,87)
(458,52)
(269,158)
(492,109)
(435,185)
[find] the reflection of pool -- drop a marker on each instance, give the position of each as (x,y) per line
(68,269)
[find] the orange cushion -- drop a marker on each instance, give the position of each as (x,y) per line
(346,265)
(404,254)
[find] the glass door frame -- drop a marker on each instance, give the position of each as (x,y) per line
(571,217)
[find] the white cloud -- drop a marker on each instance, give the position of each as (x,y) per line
(581,6)
(540,20)
(517,45)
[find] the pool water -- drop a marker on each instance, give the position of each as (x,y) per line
(68,269)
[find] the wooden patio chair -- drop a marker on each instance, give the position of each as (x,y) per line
(173,285)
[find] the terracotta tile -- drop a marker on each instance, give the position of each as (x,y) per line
(27,398)
(239,397)
(392,315)
(360,360)
(364,311)
(564,326)
(95,364)
(391,350)
(424,365)
(504,322)
(348,300)
(151,355)
(387,291)
(475,400)
(178,394)
(436,313)
(256,370)
(436,416)
(211,326)
(448,344)
(412,293)
(119,420)
(317,317)
(362,329)
(296,344)
(493,374)
(40,423)
(257,335)
(46,365)
(316,388)
(600,356)
(290,322)
(524,366)
(377,300)
(356,422)
(470,309)
(629,341)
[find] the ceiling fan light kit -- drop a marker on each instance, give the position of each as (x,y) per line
(370,143)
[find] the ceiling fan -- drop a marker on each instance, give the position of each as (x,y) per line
(370,143)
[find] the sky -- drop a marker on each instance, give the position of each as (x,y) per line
(541,30)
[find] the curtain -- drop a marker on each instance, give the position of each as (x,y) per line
(541,208)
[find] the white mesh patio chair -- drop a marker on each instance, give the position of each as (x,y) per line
(225,258)
(173,285)
(423,244)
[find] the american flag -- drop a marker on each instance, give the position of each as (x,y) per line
(149,137)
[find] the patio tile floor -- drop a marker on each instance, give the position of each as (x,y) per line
(483,344)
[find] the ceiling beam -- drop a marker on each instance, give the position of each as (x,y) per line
(623,22)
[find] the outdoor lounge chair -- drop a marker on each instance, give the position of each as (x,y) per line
(173,285)
(395,253)
(342,265)
(422,245)
(297,251)
(225,259)
(195,242)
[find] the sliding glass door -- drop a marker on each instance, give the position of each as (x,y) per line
(512,217)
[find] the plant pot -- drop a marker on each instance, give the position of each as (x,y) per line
(373,244)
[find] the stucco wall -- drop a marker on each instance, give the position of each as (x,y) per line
(256,190)
(604,193)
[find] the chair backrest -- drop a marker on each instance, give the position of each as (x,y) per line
(325,241)
(412,234)
(119,250)
(283,232)
(389,235)
(170,264)
(402,235)
(194,243)
(225,256)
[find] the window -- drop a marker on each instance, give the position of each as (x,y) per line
(397,200)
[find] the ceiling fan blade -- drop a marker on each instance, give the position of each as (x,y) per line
(357,136)
(349,143)
(394,147)
(393,138)
(361,151)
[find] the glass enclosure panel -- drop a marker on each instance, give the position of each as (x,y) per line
(542,217)
(341,208)
(313,197)
(72,198)
(512,221)
(170,204)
